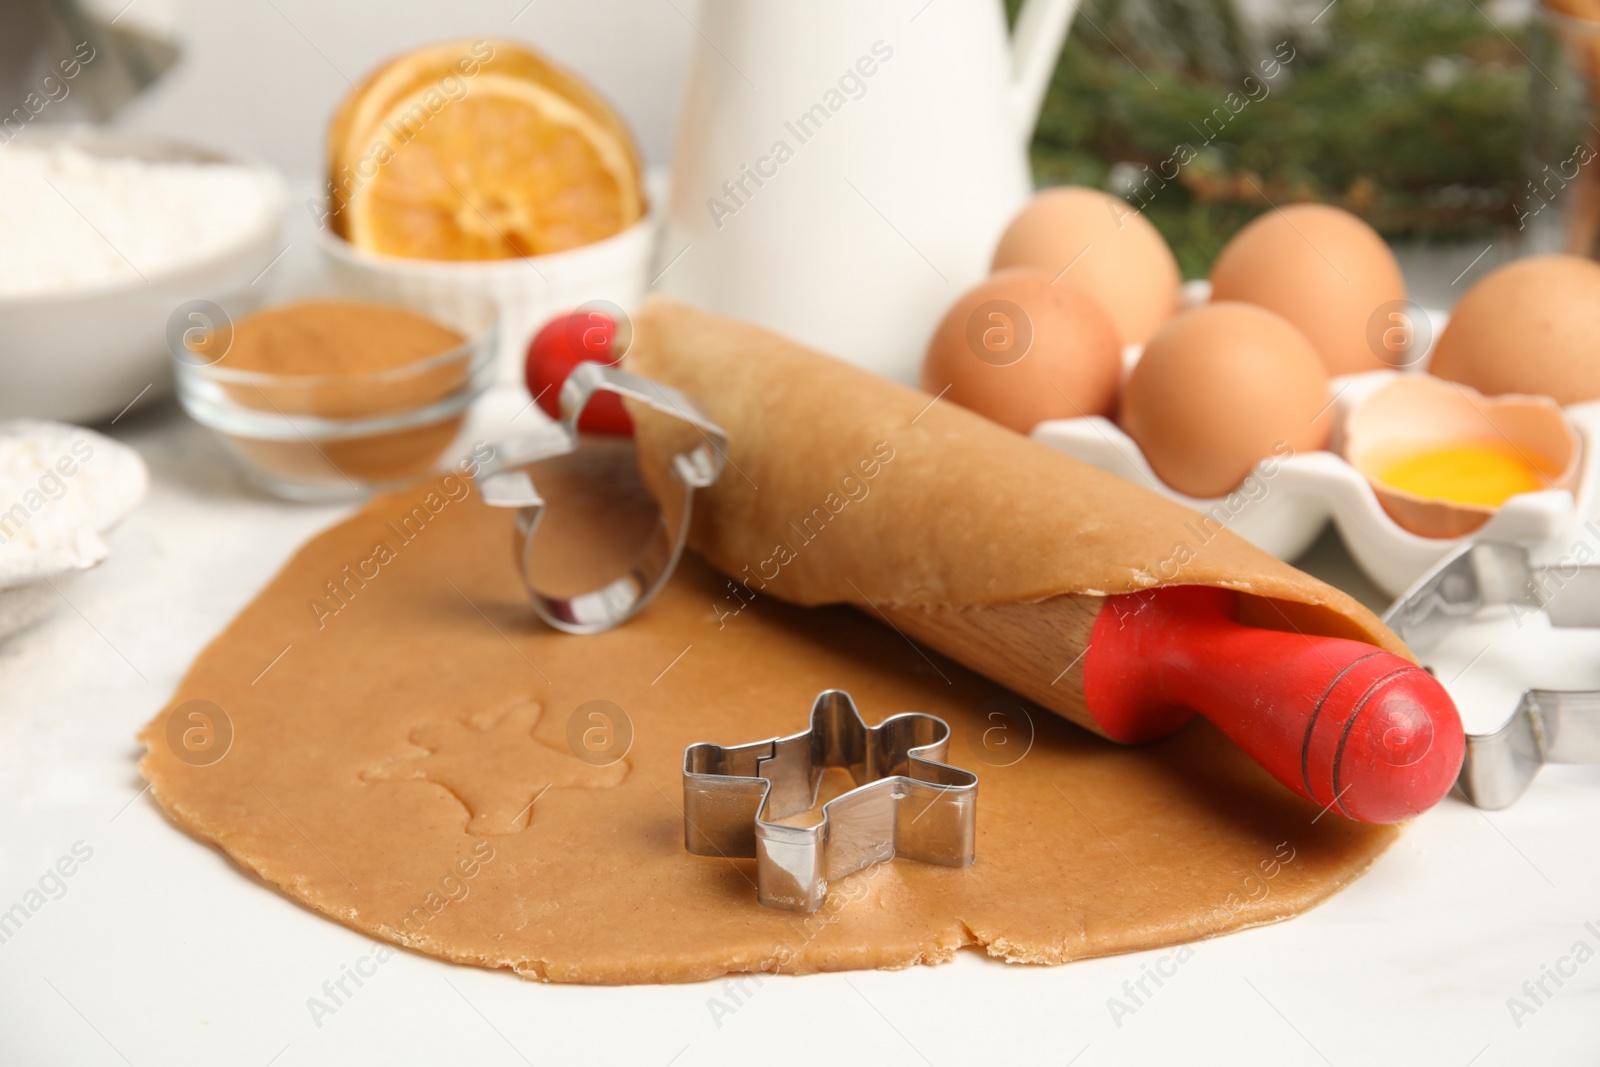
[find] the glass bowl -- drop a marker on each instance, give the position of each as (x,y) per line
(335,437)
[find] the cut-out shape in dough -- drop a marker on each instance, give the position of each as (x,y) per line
(492,763)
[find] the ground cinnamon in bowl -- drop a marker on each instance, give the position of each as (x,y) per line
(327,398)
(341,359)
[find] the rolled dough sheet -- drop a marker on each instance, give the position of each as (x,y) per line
(404,768)
(845,487)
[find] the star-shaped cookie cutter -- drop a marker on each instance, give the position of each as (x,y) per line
(503,484)
(907,801)
(1548,725)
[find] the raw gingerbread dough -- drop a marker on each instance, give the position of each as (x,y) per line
(844,487)
(405,769)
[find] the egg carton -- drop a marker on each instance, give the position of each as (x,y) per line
(1285,503)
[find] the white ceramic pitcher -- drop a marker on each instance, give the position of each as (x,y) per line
(845,167)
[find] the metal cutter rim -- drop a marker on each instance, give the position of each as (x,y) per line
(907,801)
(502,483)
(1547,725)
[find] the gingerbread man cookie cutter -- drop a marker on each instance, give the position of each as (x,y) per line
(1548,725)
(696,465)
(907,802)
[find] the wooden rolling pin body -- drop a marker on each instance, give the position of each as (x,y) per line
(1344,724)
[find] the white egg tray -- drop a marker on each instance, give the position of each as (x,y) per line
(1282,507)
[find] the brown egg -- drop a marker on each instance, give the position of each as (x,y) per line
(1324,270)
(1530,327)
(1221,388)
(1105,247)
(1020,350)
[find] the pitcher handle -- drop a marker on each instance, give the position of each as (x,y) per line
(1035,45)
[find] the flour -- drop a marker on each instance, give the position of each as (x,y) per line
(61,487)
(70,220)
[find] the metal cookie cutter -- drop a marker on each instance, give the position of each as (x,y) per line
(1548,726)
(907,802)
(696,465)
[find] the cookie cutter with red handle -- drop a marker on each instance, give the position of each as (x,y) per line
(1548,725)
(907,801)
(502,483)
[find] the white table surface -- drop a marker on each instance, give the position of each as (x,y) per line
(161,951)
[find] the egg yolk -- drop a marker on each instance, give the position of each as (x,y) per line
(1483,473)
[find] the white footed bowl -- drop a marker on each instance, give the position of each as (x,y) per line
(527,292)
(85,355)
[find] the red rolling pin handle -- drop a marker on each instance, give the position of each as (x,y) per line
(1343,723)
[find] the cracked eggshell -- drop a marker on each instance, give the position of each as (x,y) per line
(1418,410)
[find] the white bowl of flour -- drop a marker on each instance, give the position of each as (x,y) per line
(62,489)
(105,237)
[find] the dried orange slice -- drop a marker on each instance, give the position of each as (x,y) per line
(397,78)
(465,92)
(450,67)
(511,169)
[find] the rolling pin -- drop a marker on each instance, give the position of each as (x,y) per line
(1346,725)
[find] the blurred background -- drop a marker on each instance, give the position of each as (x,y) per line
(311,52)
(1410,114)
(1426,117)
